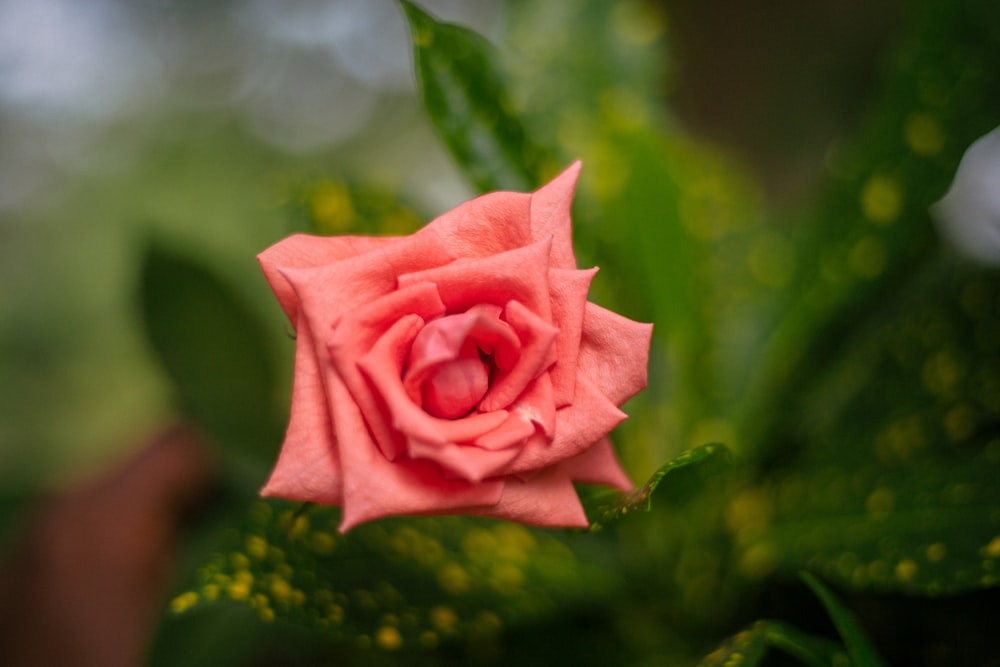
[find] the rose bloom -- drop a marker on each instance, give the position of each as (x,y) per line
(458,370)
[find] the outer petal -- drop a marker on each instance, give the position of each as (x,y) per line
(598,465)
(614,353)
(330,291)
(568,291)
(578,426)
(375,487)
(547,499)
(517,275)
(308,467)
(485,226)
(550,215)
(304,251)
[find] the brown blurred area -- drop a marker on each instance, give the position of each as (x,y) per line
(90,568)
(778,83)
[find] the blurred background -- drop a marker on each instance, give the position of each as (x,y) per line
(756,182)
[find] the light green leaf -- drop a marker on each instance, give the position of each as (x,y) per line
(467,101)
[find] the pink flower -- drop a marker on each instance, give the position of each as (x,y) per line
(459,370)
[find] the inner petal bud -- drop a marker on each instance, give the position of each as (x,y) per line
(455,387)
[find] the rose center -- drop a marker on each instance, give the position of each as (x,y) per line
(455,387)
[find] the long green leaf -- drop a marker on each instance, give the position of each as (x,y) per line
(467,101)
(859,647)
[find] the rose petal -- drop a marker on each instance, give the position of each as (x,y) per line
(598,465)
(514,431)
(332,290)
(355,335)
(375,487)
(614,353)
(537,353)
(305,251)
(568,291)
(521,275)
(308,467)
(464,461)
(550,215)
(443,340)
(547,499)
(485,226)
(382,366)
(578,426)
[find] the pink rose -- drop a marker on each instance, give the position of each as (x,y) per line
(459,370)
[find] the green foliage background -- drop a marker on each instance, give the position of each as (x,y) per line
(846,358)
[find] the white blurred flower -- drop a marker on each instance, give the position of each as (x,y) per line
(969,213)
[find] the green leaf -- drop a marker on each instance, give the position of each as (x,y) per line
(467,101)
(870,231)
(641,499)
(214,350)
(749,647)
(895,487)
(859,647)
(397,583)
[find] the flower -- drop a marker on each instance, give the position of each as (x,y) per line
(458,370)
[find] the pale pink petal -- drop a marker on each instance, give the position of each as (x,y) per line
(568,290)
(375,487)
(598,465)
(305,251)
(547,499)
(614,353)
(485,226)
(521,275)
(550,215)
(578,426)
(308,467)
(538,352)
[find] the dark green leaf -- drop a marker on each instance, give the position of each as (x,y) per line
(859,647)
(214,350)
(467,101)
(749,647)
(896,485)
(398,583)
(641,499)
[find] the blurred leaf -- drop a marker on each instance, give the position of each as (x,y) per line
(749,647)
(467,101)
(870,231)
(215,352)
(398,583)
(859,647)
(896,485)
(348,206)
(641,499)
